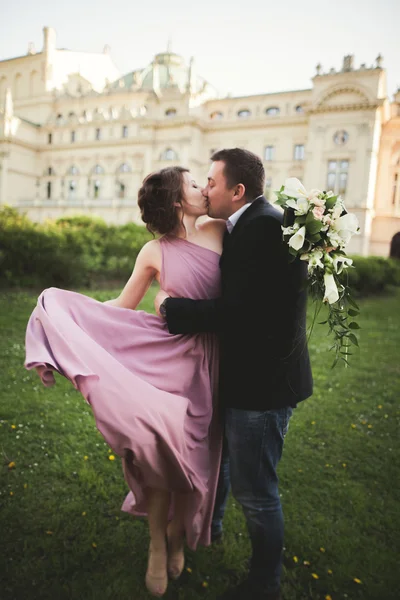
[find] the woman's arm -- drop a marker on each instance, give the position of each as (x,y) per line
(147,268)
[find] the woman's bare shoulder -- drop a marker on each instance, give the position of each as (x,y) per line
(213,226)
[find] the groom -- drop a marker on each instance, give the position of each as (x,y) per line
(264,363)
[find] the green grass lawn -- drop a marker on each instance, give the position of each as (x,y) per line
(63,535)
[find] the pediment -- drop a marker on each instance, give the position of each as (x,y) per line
(344,97)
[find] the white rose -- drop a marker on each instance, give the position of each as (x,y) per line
(297,240)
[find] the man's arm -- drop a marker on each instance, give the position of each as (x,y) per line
(261,256)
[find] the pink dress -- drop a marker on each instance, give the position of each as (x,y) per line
(152,393)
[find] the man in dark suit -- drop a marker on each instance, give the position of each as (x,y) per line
(264,363)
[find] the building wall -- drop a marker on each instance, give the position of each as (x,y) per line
(76,142)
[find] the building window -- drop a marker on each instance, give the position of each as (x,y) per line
(48,191)
(169,154)
(59,119)
(244,113)
(71,189)
(170,112)
(298,152)
(73,137)
(98,170)
(49,138)
(272,110)
(299,109)
(269,152)
(73,170)
(98,134)
(121,189)
(216,115)
(338,171)
(96,188)
(124,168)
(50,171)
(268,187)
(125,131)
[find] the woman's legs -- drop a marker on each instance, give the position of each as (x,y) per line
(158,502)
(176,537)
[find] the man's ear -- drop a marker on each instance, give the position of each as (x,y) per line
(240,192)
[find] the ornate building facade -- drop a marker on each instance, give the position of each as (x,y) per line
(77,136)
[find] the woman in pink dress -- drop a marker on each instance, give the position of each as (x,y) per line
(153,394)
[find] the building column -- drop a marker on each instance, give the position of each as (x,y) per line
(3,177)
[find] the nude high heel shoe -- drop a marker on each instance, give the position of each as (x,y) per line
(176,556)
(156,583)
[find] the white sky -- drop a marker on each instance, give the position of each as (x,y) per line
(246,47)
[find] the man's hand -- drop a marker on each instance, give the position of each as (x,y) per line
(159,299)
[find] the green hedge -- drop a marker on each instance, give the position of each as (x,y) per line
(83,251)
(68,252)
(373,274)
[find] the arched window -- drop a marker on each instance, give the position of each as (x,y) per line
(169,154)
(272,111)
(299,109)
(59,119)
(216,115)
(73,170)
(244,113)
(124,168)
(50,171)
(98,170)
(170,112)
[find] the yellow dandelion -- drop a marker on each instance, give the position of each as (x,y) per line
(356,580)
(353,426)
(295,559)
(369,426)
(380,406)
(49,532)
(94,545)
(306,563)
(300,470)
(322,550)
(330,572)
(25,485)
(11,493)
(344,465)
(314,575)
(109,451)
(313,422)
(188,569)
(84,514)
(328,597)
(13,426)
(111,457)
(85,458)
(364,422)
(11,465)
(205,584)
(327,465)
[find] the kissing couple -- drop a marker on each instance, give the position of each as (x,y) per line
(195,399)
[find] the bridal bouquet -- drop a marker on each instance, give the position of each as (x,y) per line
(317,229)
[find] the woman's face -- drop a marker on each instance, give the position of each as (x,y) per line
(194,203)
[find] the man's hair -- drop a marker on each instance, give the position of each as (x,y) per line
(242,166)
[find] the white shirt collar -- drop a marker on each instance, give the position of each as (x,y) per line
(233,219)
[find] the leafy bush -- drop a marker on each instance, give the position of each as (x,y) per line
(373,274)
(68,252)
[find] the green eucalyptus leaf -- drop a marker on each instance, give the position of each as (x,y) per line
(354,325)
(353,339)
(353,313)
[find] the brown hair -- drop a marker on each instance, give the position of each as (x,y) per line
(157,197)
(242,166)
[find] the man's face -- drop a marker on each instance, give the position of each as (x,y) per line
(218,195)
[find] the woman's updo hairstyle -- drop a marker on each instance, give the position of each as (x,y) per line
(157,197)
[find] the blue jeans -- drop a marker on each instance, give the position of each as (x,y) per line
(252,450)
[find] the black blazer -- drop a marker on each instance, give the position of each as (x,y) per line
(260,316)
